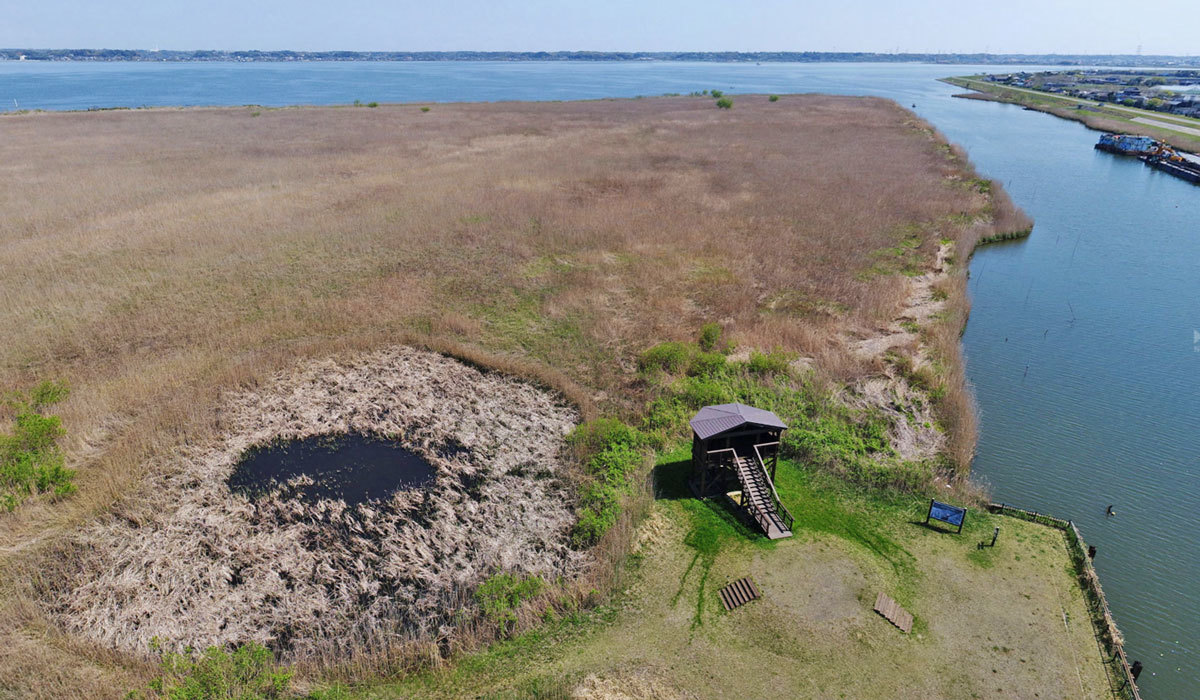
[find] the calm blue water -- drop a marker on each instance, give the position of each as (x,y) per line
(1081,343)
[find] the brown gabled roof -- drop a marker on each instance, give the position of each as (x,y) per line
(714,420)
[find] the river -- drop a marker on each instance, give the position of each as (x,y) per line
(1084,339)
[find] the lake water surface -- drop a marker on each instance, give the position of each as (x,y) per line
(1083,343)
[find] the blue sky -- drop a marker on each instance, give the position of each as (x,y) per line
(998,26)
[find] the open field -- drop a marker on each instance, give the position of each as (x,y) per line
(161,261)
(1181,132)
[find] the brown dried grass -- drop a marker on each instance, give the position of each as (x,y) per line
(160,259)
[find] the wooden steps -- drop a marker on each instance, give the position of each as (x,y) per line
(739,593)
(894,614)
(756,498)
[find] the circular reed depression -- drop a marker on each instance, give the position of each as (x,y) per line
(295,561)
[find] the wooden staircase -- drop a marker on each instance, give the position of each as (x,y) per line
(760,499)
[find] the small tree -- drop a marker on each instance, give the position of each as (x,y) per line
(725,103)
(710,336)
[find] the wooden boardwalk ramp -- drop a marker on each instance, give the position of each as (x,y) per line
(739,593)
(895,614)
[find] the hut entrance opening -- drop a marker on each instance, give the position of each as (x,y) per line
(735,449)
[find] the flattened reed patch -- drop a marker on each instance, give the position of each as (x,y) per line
(195,564)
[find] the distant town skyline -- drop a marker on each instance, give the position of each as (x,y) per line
(884,26)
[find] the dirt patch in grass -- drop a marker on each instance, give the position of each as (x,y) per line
(191,563)
(819,587)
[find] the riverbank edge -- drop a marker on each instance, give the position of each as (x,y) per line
(1102,122)
(1108,636)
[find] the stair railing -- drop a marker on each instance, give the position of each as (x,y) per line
(780,509)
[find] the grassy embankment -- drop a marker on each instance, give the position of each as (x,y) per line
(1101,116)
(161,258)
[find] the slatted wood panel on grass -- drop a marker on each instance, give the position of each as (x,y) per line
(739,593)
(895,614)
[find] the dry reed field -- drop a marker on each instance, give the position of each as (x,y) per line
(160,261)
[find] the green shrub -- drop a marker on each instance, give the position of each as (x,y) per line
(30,459)
(698,392)
(670,357)
(710,336)
(774,362)
(501,595)
(372,104)
(601,434)
(716,93)
(599,507)
(773,98)
(615,464)
(666,414)
(249,672)
(836,436)
(725,103)
(333,692)
(424,109)
(706,364)
(614,456)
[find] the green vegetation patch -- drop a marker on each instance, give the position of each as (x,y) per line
(904,257)
(612,454)
(248,672)
(501,595)
(31,461)
(822,431)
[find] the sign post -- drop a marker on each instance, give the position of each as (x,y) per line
(946,513)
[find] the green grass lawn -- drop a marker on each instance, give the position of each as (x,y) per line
(991,623)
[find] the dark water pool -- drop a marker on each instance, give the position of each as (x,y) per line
(353,467)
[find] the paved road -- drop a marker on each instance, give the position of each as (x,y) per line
(1165,125)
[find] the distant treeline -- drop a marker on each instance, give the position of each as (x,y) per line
(714,56)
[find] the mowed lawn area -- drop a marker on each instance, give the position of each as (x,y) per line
(1002,622)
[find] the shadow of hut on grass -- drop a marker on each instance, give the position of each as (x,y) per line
(670,483)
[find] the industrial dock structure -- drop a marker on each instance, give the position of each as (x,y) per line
(1154,153)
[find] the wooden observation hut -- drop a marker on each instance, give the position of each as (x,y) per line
(735,449)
